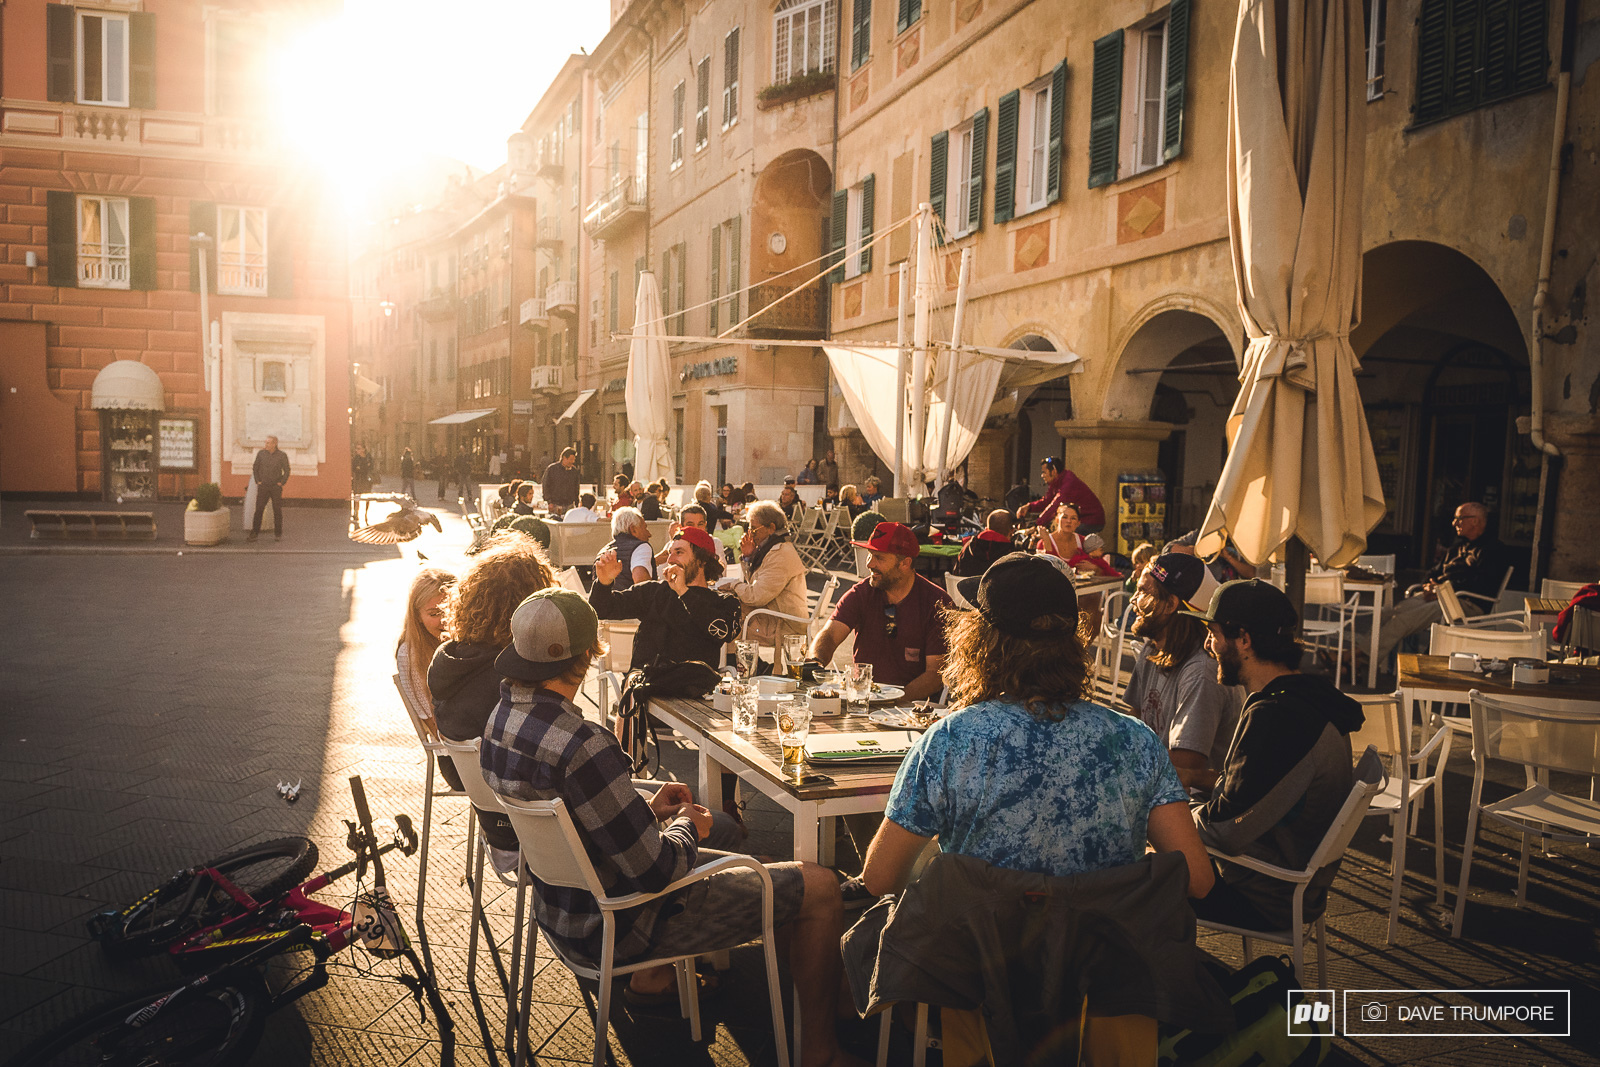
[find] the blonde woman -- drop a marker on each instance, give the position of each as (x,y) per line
(421,636)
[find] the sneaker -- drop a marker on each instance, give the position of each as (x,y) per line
(853,893)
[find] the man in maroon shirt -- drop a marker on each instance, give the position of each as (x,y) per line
(894,614)
(1061,486)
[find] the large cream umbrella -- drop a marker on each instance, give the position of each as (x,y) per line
(1300,461)
(649,392)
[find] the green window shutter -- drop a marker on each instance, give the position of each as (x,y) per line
(1005,157)
(1058,121)
(1105,110)
(1497,38)
(836,225)
(1177,79)
(716,267)
(1433,62)
(141,242)
(1529,61)
(938,154)
(280,255)
(860,32)
(907,12)
(203,219)
(680,300)
(61,214)
(735,251)
(1463,43)
(980,157)
(142,59)
(666,287)
(868,189)
(61,53)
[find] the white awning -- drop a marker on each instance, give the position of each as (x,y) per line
(127,385)
(572,409)
(458,417)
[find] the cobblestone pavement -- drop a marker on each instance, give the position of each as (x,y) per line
(152,702)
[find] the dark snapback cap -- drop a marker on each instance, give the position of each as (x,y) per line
(1179,574)
(1252,605)
(1017,589)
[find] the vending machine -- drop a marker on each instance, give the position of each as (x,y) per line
(1141,509)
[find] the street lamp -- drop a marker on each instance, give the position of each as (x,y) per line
(210,349)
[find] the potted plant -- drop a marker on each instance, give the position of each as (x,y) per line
(206,521)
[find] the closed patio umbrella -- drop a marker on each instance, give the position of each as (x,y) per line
(1300,461)
(649,392)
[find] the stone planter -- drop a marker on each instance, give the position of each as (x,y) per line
(206,527)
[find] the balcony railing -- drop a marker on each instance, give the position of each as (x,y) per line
(617,209)
(440,304)
(549,231)
(562,298)
(804,312)
(533,312)
(247,278)
(546,378)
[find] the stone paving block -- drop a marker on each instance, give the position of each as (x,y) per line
(79,799)
(45,876)
(44,911)
(292,1041)
(63,848)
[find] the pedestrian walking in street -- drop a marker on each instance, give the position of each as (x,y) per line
(561,482)
(462,471)
(360,484)
(408,474)
(271,472)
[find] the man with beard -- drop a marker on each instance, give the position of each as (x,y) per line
(1288,770)
(680,617)
(1174,686)
(895,615)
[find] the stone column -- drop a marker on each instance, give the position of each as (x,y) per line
(1097,450)
(986,463)
(1573,547)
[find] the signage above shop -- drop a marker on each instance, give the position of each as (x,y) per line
(711,368)
(522,407)
(616,385)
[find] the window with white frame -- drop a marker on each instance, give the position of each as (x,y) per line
(102,58)
(677,126)
(803,35)
(1151,99)
(241,250)
(103,242)
(959,179)
(1035,154)
(852,231)
(1377,12)
(702,102)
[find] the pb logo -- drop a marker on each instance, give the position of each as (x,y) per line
(1312,1013)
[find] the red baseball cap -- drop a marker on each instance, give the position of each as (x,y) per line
(892,537)
(699,539)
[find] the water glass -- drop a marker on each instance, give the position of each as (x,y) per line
(745,653)
(794,653)
(858,684)
(746,704)
(794,726)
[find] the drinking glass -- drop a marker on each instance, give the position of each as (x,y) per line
(745,654)
(746,703)
(794,653)
(858,685)
(794,726)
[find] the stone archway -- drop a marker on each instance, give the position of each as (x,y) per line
(788,213)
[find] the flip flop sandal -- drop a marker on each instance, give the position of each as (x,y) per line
(710,987)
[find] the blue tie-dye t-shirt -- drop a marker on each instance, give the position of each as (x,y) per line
(1057,798)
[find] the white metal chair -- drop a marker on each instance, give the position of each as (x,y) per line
(1454,615)
(1550,589)
(568,578)
(1387,729)
(819,612)
(806,536)
(1443,640)
(1326,591)
(1541,741)
(1113,645)
(465,756)
(556,856)
(1369,782)
(1489,602)
(435,751)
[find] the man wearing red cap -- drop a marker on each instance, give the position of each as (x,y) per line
(894,615)
(680,616)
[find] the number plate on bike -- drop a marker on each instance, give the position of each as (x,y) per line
(376,924)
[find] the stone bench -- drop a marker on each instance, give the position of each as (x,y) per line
(96,524)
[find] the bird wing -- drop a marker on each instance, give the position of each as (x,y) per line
(390,531)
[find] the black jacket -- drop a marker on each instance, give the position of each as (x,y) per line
(626,545)
(979,552)
(466,690)
(694,626)
(271,469)
(561,484)
(1472,566)
(408,467)
(650,507)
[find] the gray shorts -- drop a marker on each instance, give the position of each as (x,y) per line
(724,911)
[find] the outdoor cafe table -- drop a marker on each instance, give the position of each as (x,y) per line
(813,797)
(1429,678)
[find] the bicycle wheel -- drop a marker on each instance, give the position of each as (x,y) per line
(218,1025)
(189,902)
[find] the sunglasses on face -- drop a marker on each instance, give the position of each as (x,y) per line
(890,626)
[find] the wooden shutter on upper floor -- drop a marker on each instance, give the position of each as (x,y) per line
(836,235)
(1105,110)
(906,13)
(666,287)
(716,269)
(61,216)
(681,298)
(735,227)
(868,193)
(1177,79)
(1475,52)
(141,59)
(1058,121)
(280,254)
(1005,156)
(730,77)
(938,154)
(141,242)
(980,159)
(616,296)
(203,219)
(860,32)
(61,52)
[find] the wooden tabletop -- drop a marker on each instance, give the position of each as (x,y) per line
(1567,682)
(765,757)
(1538,605)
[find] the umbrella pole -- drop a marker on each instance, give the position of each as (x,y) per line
(1296,561)
(902,357)
(922,300)
(952,364)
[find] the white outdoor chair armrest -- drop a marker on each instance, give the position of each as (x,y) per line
(1486,598)
(1281,873)
(1437,740)
(1494,618)
(705,870)
(749,615)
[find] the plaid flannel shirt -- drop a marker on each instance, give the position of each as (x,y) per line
(537,746)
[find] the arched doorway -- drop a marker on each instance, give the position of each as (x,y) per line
(1444,378)
(789,214)
(1036,410)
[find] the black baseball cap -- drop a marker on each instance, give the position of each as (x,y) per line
(1252,605)
(1179,574)
(1017,589)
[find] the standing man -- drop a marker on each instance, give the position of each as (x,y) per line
(828,470)
(560,482)
(360,483)
(1174,686)
(408,474)
(680,617)
(462,470)
(895,616)
(271,472)
(1061,486)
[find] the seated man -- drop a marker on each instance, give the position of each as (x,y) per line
(987,546)
(584,512)
(1288,769)
(793,507)
(1174,686)
(680,617)
(1474,563)
(538,746)
(630,543)
(895,614)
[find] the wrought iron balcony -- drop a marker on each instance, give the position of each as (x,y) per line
(805,312)
(617,209)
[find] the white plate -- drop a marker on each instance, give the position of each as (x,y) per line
(899,718)
(886,694)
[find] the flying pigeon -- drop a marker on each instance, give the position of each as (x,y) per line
(404,525)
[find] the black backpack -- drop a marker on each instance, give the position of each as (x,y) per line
(687,678)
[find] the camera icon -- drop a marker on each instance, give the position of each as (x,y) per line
(1374,1013)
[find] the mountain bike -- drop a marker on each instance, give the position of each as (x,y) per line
(224,921)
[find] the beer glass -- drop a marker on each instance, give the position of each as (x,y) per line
(794,726)
(794,653)
(858,686)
